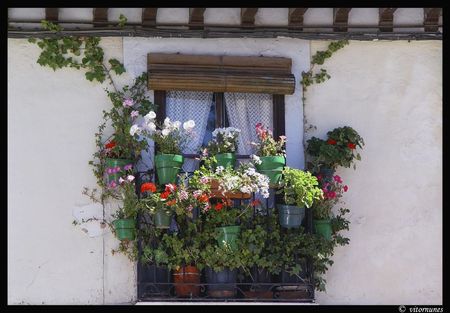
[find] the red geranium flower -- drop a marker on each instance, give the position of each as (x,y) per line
(218,207)
(170,188)
(171,202)
(351,145)
(148,186)
(203,198)
(331,141)
(110,145)
(345,188)
(164,195)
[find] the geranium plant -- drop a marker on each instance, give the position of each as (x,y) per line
(170,137)
(267,145)
(332,194)
(339,149)
(224,140)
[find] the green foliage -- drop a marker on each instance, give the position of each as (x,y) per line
(310,77)
(338,150)
(76,52)
(299,187)
(122,20)
(129,208)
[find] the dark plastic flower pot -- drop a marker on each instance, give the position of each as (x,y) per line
(323,228)
(224,283)
(113,164)
(226,159)
(154,280)
(188,281)
(167,167)
(162,219)
(125,229)
(290,216)
(228,236)
(272,166)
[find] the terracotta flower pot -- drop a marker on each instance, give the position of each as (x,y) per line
(215,192)
(187,280)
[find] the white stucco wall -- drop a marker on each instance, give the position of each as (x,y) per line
(389,91)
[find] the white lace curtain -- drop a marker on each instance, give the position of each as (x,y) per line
(245,110)
(190,105)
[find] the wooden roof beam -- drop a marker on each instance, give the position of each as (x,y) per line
(100,16)
(196,18)
(149,17)
(51,14)
(431,19)
(386,19)
(296,18)
(340,19)
(248,17)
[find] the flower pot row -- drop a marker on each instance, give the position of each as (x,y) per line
(187,283)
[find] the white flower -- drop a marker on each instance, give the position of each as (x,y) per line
(135,129)
(176,125)
(130,178)
(151,126)
(165,132)
(256,159)
(219,169)
(167,122)
(121,180)
(189,125)
(150,116)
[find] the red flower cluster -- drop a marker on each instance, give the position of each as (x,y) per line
(148,187)
(331,141)
(110,145)
(351,145)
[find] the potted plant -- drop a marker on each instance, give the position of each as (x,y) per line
(338,150)
(119,152)
(332,193)
(160,205)
(170,139)
(230,183)
(260,247)
(125,218)
(223,146)
(270,157)
(299,189)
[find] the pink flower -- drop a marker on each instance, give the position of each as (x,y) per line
(128,103)
(190,208)
(204,180)
(113,184)
(345,188)
(331,195)
(134,114)
(337,178)
(110,170)
(128,167)
(283,138)
(197,193)
(319,177)
(184,195)
(121,180)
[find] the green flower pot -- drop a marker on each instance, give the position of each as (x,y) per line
(228,236)
(272,166)
(226,159)
(113,164)
(162,219)
(323,228)
(125,229)
(290,216)
(167,167)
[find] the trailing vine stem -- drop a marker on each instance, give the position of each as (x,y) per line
(311,77)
